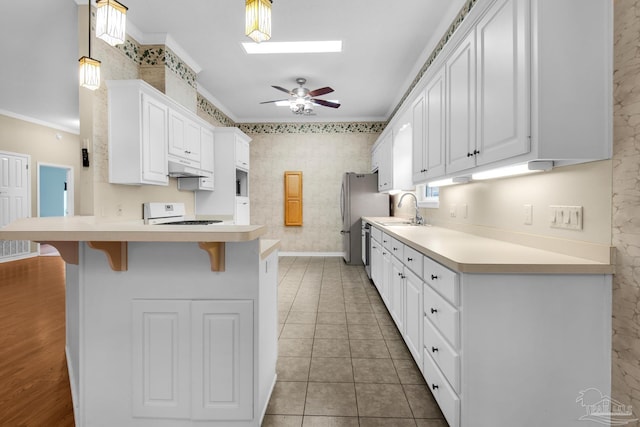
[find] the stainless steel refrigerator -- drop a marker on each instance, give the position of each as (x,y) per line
(359,198)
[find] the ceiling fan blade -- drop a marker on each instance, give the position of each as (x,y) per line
(320,92)
(275,100)
(325,103)
(283,89)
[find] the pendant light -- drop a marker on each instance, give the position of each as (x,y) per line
(111,21)
(89,67)
(258,20)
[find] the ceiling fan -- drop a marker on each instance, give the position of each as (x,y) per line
(302,99)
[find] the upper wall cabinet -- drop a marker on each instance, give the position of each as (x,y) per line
(138,134)
(428,127)
(184,139)
(522,82)
(147,129)
(392,154)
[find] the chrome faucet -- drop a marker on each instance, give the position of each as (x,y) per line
(418,219)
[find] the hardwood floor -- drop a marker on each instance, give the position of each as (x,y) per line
(34,384)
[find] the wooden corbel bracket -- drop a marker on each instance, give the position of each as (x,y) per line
(117,253)
(68,250)
(216,254)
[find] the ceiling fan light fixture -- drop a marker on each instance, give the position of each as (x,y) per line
(111,21)
(258,20)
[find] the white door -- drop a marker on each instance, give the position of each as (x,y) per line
(434,142)
(15,199)
(154,141)
(417,126)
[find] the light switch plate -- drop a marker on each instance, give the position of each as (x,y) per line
(528,214)
(566,217)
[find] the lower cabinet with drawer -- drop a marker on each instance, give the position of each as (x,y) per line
(515,349)
(501,349)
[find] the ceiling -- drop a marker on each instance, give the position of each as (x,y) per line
(384,45)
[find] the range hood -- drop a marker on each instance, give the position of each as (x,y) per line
(180,170)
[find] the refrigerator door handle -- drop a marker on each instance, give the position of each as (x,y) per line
(342,202)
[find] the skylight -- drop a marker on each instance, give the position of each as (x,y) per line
(327,46)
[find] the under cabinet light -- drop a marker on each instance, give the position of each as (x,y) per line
(521,169)
(449,181)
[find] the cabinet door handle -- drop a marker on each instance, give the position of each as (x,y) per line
(433,277)
(434,386)
(433,310)
(434,349)
(409,259)
(395,249)
(374,247)
(476,152)
(402,276)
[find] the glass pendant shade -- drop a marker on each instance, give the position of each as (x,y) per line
(89,73)
(258,20)
(111,20)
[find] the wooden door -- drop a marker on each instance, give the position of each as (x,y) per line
(293,198)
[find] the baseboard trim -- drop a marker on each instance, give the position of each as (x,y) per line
(19,257)
(312,254)
(266,404)
(72,383)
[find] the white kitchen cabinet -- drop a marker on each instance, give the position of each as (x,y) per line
(385,161)
(461,106)
(193,359)
(503,54)
(243,211)
(242,154)
(376,263)
(488,90)
(138,134)
(227,175)
(429,131)
(376,153)
(494,340)
(184,139)
(206,182)
(207,151)
(397,293)
(414,315)
(386,275)
(392,153)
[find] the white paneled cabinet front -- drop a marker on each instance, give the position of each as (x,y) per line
(184,139)
(429,130)
(461,106)
(413,315)
(138,134)
(193,359)
(503,61)
(222,362)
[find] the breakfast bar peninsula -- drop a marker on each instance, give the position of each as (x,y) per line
(169,325)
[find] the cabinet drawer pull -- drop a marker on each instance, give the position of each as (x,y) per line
(374,247)
(395,249)
(402,276)
(434,349)
(409,259)
(433,310)
(434,386)
(433,277)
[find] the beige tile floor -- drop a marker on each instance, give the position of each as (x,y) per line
(341,360)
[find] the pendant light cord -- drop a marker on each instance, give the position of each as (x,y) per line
(89,31)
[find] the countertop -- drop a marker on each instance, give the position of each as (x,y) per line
(468,253)
(90,228)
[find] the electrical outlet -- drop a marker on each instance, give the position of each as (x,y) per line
(567,217)
(452,211)
(528,214)
(119,210)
